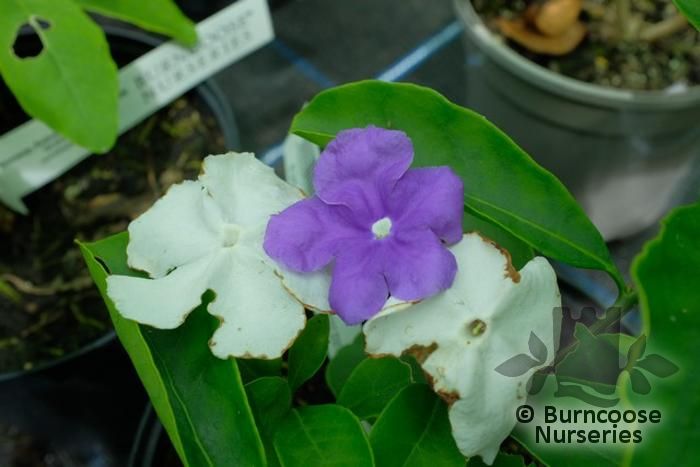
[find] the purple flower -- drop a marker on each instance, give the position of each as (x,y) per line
(384,226)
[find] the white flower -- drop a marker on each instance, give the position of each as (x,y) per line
(463,334)
(207,235)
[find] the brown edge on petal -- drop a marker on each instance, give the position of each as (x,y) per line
(511,272)
(305,305)
(421,352)
(248,355)
(417,351)
(406,304)
(450,397)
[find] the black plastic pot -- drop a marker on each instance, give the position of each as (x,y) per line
(127,45)
(83,408)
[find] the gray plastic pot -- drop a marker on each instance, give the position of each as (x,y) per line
(626,156)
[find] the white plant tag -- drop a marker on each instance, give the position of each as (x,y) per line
(33,155)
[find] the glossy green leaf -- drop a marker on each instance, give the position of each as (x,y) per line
(270,400)
(667,275)
(346,360)
(188,386)
(418,375)
(253,368)
(372,384)
(503,185)
(502,460)
(321,436)
(414,431)
(72,84)
(160,16)
(691,10)
(309,351)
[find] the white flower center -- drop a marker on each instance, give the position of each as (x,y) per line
(230,235)
(381,228)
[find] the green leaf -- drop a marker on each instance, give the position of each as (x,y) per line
(341,366)
(270,400)
(373,383)
(160,16)
(254,368)
(189,387)
(321,436)
(414,431)
(691,10)
(418,375)
(503,185)
(309,351)
(667,276)
(72,84)
(502,460)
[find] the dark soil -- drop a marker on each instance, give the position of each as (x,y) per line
(608,60)
(48,304)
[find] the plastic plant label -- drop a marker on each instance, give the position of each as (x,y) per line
(32,155)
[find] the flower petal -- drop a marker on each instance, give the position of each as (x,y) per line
(358,288)
(179,228)
(259,319)
(310,289)
(306,236)
(418,265)
(165,302)
(429,198)
(340,335)
(462,335)
(247,191)
(360,166)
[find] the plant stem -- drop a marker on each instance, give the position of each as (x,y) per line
(624,10)
(625,302)
(664,28)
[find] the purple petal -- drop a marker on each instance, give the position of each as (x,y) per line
(418,265)
(360,166)
(429,198)
(358,289)
(305,237)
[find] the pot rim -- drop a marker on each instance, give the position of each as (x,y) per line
(566,87)
(214,99)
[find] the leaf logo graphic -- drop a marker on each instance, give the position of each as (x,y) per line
(654,364)
(522,363)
